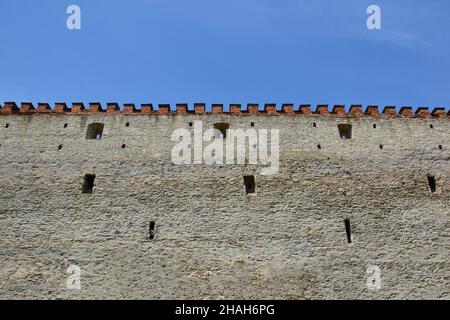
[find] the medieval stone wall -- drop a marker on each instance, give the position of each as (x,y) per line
(286,241)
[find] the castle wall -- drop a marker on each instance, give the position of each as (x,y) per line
(287,241)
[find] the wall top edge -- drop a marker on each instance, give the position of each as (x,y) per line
(94,108)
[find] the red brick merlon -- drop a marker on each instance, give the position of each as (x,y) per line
(270,109)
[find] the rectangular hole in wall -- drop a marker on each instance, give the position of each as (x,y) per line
(88,183)
(152,230)
(345,131)
(223,128)
(432,183)
(348,230)
(250,185)
(95,131)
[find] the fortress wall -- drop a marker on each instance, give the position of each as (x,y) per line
(287,241)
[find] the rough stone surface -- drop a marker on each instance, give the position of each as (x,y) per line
(287,241)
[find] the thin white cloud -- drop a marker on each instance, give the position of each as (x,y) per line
(409,41)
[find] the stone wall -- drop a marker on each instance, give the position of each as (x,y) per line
(287,241)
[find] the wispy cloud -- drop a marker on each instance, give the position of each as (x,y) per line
(409,41)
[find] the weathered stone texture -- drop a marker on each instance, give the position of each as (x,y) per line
(288,241)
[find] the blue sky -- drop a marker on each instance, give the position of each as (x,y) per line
(227,51)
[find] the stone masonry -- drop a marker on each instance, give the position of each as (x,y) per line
(212,240)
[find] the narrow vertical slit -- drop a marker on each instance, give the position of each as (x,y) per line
(250,185)
(432,183)
(348,229)
(152,230)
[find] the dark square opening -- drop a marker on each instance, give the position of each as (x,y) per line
(88,183)
(345,131)
(223,128)
(95,131)
(250,185)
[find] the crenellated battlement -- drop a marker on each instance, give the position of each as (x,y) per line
(339,111)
